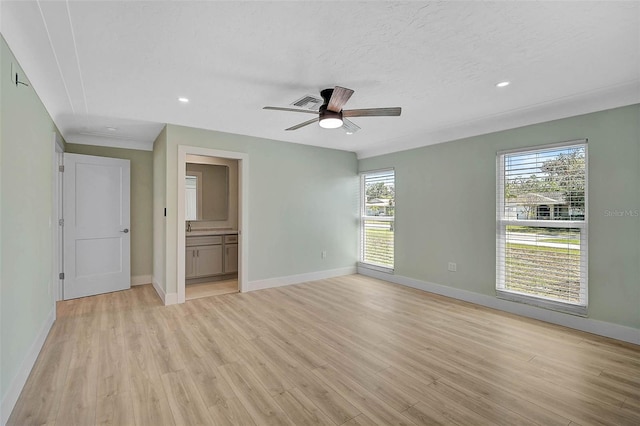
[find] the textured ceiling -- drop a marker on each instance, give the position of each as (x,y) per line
(124,64)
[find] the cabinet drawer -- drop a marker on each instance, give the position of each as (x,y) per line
(230,238)
(204,240)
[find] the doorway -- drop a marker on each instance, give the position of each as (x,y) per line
(242,161)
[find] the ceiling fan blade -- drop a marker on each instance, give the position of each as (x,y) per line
(290,109)
(306,123)
(349,126)
(373,112)
(339,97)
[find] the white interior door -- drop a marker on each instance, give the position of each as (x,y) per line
(96,225)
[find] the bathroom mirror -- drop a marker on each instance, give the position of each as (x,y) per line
(206,192)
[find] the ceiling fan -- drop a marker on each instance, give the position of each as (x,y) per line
(331,115)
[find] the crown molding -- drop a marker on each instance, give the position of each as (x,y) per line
(111,142)
(620,95)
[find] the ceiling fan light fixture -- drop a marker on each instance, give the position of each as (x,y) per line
(329,119)
(330,123)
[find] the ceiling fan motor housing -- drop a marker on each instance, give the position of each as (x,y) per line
(329,119)
(325,113)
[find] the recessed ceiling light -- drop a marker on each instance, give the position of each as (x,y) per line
(503,84)
(349,133)
(111,129)
(184,100)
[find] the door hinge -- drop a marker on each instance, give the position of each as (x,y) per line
(61,168)
(61,275)
(61,222)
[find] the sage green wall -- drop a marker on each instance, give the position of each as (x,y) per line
(445,208)
(159,204)
(302,200)
(141,201)
(26,147)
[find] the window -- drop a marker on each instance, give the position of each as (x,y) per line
(377,219)
(542,227)
(193,196)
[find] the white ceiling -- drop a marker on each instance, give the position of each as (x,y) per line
(123,64)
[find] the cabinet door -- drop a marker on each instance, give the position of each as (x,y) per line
(190,262)
(230,258)
(209,260)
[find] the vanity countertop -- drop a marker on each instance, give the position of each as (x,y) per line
(212,231)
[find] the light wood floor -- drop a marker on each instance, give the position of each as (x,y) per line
(216,288)
(350,350)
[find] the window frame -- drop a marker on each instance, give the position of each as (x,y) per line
(502,222)
(364,217)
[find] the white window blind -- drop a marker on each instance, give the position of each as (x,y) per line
(541,237)
(377,219)
(191,197)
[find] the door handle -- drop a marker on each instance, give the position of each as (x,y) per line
(126,230)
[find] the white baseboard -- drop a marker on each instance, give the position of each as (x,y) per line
(167,298)
(141,280)
(300,278)
(602,328)
(13,392)
(158,289)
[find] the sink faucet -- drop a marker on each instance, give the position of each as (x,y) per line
(188,226)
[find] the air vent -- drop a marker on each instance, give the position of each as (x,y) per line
(350,127)
(308,102)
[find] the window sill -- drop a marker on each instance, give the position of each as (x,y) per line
(551,305)
(384,269)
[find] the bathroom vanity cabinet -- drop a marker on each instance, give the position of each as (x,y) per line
(211,255)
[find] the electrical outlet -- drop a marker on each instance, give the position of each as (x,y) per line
(323,254)
(452,267)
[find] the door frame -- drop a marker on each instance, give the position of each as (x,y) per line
(57,215)
(243,212)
